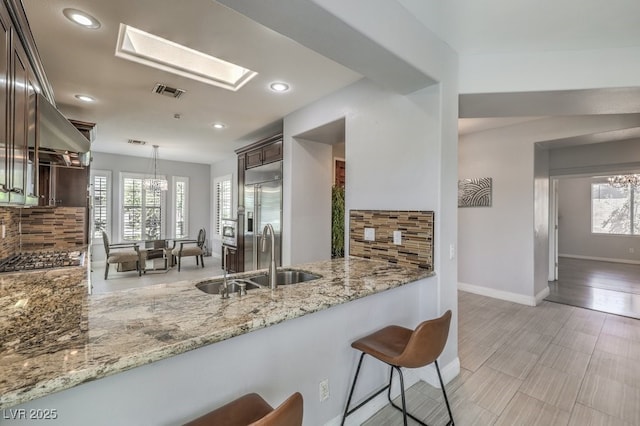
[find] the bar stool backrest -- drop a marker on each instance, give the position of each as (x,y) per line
(289,413)
(426,343)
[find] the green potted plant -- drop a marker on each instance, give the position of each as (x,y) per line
(337,222)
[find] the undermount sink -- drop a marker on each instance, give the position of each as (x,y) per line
(285,277)
(213,286)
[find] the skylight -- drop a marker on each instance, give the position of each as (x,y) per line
(151,50)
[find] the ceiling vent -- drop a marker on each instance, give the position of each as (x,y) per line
(163,89)
(136,142)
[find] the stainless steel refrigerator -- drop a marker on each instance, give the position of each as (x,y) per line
(263,205)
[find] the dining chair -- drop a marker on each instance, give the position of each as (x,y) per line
(185,248)
(120,253)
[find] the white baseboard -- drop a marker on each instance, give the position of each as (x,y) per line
(540,296)
(505,295)
(411,377)
(449,372)
(601,259)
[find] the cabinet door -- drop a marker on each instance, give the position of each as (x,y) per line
(71,187)
(18,150)
(231,260)
(5,43)
(31,183)
(253,158)
(272,152)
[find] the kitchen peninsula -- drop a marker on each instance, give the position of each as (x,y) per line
(60,337)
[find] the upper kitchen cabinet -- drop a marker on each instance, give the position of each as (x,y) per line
(5,48)
(22,170)
(262,152)
(32,131)
(18,169)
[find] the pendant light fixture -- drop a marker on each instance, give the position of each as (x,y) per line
(622,181)
(155,184)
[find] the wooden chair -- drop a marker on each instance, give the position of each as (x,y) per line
(191,248)
(252,410)
(117,253)
(401,347)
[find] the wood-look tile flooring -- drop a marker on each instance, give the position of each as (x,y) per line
(602,286)
(548,365)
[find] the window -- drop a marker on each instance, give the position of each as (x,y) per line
(181,192)
(223,201)
(101,196)
(615,210)
(142,211)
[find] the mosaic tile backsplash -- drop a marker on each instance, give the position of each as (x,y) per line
(43,228)
(52,228)
(417,236)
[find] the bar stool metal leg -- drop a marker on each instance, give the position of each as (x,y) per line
(444,393)
(348,412)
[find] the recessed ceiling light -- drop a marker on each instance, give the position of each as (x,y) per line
(218,126)
(279,86)
(81,18)
(85,98)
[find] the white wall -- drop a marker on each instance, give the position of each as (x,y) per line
(310,215)
(498,251)
(225,167)
(607,157)
(199,190)
(574,227)
(559,70)
(496,243)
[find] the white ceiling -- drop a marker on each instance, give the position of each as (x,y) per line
(81,61)
(500,26)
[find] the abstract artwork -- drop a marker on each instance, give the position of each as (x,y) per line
(474,192)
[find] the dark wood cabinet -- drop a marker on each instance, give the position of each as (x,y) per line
(5,88)
(18,150)
(231,260)
(262,152)
(253,158)
(272,152)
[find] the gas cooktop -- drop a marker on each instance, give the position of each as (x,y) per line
(29,261)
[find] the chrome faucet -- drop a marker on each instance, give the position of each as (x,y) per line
(224,289)
(272,263)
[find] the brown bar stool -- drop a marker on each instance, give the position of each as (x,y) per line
(252,410)
(401,347)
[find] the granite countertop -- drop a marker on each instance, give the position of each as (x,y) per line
(55,336)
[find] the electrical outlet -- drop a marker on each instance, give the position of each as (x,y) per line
(631,249)
(452,251)
(369,234)
(323,389)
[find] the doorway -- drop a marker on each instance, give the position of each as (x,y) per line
(318,156)
(596,264)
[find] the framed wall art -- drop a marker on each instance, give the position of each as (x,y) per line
(474,192)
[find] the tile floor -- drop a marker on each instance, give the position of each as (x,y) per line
(126,280)
(547,365)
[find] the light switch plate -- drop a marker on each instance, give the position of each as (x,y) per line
(369,234)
